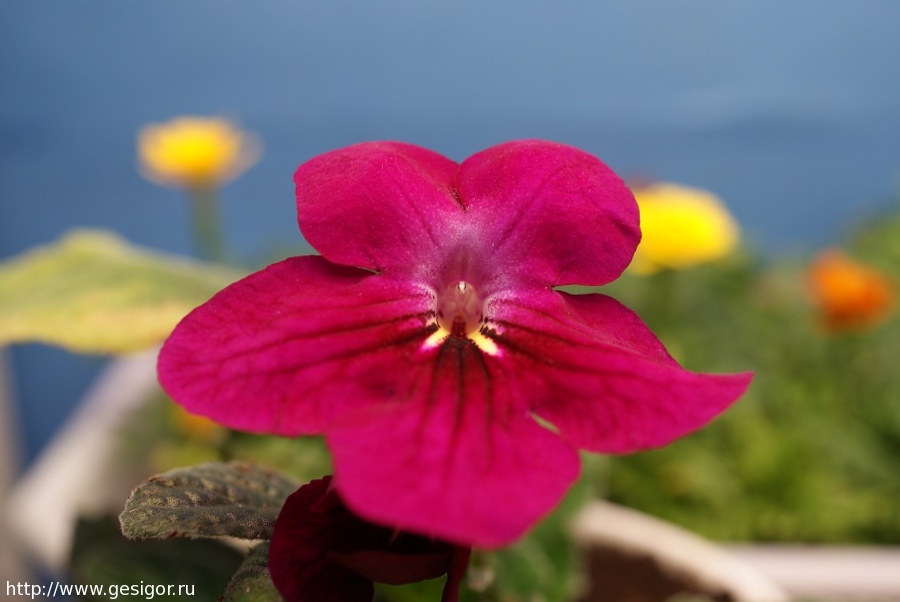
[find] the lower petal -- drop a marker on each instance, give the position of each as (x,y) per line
(464,463)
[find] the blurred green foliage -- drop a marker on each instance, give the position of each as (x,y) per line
(812,452)
(157,439)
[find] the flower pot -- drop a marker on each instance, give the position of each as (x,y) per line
(634,557)
(78,474)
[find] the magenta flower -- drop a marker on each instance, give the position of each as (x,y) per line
(428,336)
(321,551)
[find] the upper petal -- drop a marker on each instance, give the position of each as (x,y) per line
(523,212)
(462,460)
(378,205)
(549,213)
(591,367)
(287,349)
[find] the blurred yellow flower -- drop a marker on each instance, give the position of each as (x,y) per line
(195,152)
(681,227)
(849,295)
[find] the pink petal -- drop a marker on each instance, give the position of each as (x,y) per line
(287,349)
(590,366)
(379,205)
(461,461)
(555,213)
(297,552)
(521,213)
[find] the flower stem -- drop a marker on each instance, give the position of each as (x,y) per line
(206,227)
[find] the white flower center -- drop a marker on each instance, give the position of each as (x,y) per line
(459,309)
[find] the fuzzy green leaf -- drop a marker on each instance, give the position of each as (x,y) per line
(91,292)
(252,583)
(216,499)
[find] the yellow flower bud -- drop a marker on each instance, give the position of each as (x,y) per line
(681,227)
(195,152)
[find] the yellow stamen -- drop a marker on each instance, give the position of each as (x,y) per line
(436,338)
(487,345)
(460,314)
(484,343)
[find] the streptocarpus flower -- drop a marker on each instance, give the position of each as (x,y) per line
(428,337)
(321,551)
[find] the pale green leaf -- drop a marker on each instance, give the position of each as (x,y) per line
(91,292)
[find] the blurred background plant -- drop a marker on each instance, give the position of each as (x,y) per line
(810,453)
(198,155)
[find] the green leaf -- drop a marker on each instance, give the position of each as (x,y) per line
(91,292)
(216,499)
(252,582)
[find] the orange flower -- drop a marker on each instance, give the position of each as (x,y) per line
(849,295)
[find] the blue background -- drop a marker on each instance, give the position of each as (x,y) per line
(787,110)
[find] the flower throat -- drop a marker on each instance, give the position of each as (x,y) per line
(459,309)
